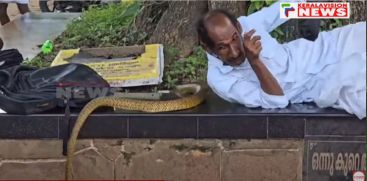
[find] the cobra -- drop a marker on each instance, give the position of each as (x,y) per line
(197,96)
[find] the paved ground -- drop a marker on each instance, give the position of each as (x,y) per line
(13,10)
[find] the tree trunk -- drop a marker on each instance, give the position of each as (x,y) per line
(238,8)
(358,11)
(173,23)
(150,15)
(177,25)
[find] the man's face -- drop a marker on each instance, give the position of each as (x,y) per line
(227,40)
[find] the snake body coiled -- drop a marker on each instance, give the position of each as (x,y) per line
(198,96)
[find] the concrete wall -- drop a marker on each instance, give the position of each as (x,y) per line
(179,159)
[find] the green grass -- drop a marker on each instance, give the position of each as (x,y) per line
(184,70)
(100,26)
(109,25)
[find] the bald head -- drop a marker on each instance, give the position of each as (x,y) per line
(214,19)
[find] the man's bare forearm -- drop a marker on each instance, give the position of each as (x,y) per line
(267,81)
(252,46)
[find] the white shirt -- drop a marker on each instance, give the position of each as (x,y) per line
(330,71)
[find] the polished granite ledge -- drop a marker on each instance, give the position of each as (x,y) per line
(213,119)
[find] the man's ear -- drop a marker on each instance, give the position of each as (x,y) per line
(205,46)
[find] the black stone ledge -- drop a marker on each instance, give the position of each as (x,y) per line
(215,118)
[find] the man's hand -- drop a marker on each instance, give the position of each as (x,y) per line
(252,46)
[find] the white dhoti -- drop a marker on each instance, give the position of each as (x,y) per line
(345,85)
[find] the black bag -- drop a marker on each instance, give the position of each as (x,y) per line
(9,58)
(309,28)
(27,90)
